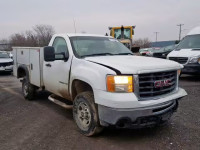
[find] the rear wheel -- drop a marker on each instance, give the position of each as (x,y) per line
(28,89)
(86,115)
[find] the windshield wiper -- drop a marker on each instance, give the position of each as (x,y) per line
(103,54)
(100,54)
(124,54)
(196,49)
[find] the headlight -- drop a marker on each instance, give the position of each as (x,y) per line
(194,60)
(120,84)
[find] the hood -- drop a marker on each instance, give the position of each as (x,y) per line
(184,53)
(5,60)
(135,64)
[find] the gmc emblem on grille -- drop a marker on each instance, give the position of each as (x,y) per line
(162,83)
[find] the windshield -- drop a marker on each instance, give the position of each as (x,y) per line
(127,33)
(190,42)
(167,48)
(90,46)
(4,55)
(170,48)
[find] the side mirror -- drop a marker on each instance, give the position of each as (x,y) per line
(49,53)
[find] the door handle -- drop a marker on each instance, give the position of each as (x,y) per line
(48,65)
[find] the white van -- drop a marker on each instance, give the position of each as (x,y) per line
(187,52)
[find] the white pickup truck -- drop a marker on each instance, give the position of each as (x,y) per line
(107,84)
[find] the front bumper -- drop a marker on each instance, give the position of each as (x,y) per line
(130,100)
(191,69)
(136,118)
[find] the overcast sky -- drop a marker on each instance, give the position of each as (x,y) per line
(95,16)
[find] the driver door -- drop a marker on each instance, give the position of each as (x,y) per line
(56,73)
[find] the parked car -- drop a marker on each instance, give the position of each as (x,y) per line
(163,52)
(6,63)
(187,52)
(145,51)
(106,83)
(151,51)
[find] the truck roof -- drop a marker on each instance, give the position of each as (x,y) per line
(194,31)
(80,34)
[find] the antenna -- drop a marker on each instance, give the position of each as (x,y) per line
(75,32)
(74,25)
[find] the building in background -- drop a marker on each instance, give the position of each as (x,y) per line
(163,43)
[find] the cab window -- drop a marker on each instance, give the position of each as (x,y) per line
(60,46)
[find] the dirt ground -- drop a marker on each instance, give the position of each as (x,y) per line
(41,124)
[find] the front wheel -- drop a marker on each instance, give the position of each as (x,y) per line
(85,114)
(28,89)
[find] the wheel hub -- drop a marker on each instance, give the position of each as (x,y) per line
(25,89)
(83,115)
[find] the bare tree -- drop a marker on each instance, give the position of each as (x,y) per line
(31,38)
(39,36)
(18,39)
(142,43)
(43,34)
(4,45)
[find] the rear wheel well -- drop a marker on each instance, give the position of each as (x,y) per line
(79,86)
(21,73)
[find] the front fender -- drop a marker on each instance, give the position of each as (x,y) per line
(91,73)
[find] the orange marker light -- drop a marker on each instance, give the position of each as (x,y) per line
(120,84)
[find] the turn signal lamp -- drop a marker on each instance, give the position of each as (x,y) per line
(120,84)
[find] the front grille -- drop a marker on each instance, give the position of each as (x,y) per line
(147,81)
(4,64)
(181,60)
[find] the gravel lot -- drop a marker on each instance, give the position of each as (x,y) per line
(41,124)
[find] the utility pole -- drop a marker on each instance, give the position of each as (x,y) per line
(180,25)
(156,35)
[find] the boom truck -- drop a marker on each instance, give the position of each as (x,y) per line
(104,82)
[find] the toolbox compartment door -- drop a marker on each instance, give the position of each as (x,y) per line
(35,78)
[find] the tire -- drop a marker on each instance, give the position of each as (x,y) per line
(85,114)
(28,89)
